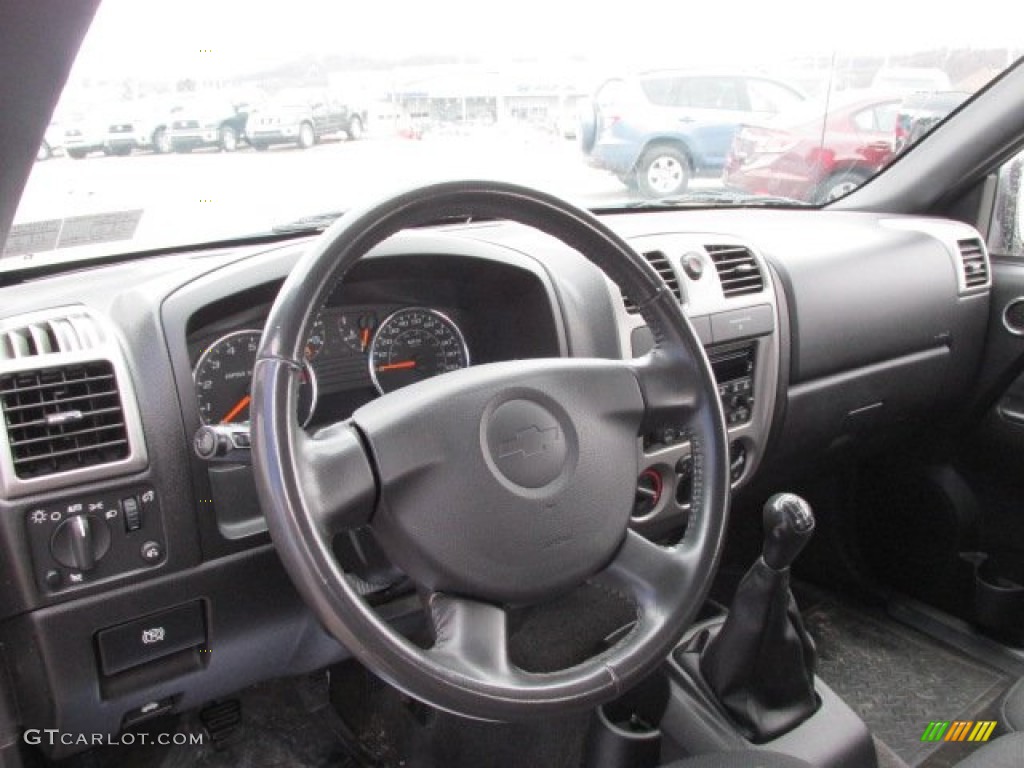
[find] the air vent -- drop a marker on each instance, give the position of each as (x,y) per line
(972,255)
(737,269)
(659,261)
(71,333)
(63,418)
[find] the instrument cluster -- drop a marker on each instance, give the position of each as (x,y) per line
(349,348)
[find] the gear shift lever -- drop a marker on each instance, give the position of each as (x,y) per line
(760,665)
(788,526)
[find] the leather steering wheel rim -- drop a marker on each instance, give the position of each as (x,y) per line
(365,470)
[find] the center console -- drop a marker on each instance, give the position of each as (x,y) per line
(727,292)
(694,721)
(741,679)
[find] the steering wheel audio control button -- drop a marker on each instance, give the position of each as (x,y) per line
(527,443)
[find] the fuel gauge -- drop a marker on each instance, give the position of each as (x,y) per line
(357,329)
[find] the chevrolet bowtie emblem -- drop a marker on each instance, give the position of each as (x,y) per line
(530,442)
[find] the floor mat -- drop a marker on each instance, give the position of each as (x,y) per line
(393,731)
(283,723)
(396,732)
(896,679)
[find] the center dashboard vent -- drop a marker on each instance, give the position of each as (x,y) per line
(737,269)
(663,267)
(975,265)
(63,418)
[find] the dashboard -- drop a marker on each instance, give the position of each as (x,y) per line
(127,500)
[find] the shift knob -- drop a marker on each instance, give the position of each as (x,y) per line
(788,526)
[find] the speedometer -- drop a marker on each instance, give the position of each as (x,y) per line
(223,380)
(413,344)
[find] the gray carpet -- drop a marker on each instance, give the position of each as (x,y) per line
(896,679)
(284,723)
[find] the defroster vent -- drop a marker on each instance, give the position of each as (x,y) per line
(63,418)
(737,269)
(71,332)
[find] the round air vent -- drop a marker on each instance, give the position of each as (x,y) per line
(1013,317)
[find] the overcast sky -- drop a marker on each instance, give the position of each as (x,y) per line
(144,39)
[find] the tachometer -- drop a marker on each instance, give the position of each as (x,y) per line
(223,380)
(357,329)
(413,344)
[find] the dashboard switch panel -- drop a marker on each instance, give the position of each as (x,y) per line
(85,539)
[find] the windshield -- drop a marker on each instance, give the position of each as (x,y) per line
(217,122)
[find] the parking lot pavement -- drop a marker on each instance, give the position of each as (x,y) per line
(209,194)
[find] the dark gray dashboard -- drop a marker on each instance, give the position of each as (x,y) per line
(824,329)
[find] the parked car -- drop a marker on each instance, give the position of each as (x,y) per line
(303,117)
(143,125)
(84,134)
(658,129)
(797,156)
(52,143)
(920,112)
(209,123)
(904,80)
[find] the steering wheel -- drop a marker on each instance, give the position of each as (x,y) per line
(502,484)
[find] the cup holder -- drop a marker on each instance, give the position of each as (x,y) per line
(625,732)
(999,595)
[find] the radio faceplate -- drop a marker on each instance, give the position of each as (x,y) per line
(734,368)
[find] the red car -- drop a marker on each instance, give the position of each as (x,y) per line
(812,156)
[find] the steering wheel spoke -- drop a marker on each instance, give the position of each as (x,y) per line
(471,636)
(335,478)
(671,385)
(651,575)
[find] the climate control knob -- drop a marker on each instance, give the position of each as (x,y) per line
(80,541)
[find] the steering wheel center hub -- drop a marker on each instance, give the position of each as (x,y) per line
(528,445)
(490,476)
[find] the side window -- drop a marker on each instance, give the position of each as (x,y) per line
(1006,231)
(865,120)
(709,93)
(766,96)
(878,119)
(659,90)
(885,117)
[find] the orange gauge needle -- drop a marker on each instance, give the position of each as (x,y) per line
(240,406)
(397,366)
(364,338)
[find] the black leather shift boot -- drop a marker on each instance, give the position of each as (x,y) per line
(761,663)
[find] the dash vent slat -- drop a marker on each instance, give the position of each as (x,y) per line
(63,418)
(663,267)
(975,266)
(737,269)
